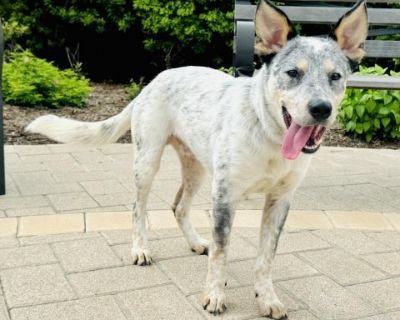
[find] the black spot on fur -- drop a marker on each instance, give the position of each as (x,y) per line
(267,59)
(107,127)
(222,221)
(138,142)
(280,224)
(224,89)
(354,65)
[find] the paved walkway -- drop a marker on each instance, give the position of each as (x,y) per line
(51,179)
(63,254)
(329,274)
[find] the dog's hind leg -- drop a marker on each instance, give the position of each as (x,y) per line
(274,216)
(148,149)
(192,178)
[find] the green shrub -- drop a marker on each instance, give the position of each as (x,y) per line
(117,32)
(12,32)
(30,81)
(171,26)
(135,88)
(100,30)
(371,113)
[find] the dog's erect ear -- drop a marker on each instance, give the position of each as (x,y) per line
(273,28)
(351,31)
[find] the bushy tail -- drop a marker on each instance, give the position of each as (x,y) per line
(83,133)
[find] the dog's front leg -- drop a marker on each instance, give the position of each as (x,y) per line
(274,216)
(214,296)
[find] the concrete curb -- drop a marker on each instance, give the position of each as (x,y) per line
(164,219)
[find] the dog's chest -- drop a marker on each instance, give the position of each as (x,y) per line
(273,173)
(265,177)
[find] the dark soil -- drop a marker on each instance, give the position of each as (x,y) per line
(107,100)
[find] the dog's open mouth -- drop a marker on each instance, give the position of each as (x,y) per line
(299,138)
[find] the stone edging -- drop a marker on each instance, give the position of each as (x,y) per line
(163,219)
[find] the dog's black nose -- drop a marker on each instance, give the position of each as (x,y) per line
(320,110)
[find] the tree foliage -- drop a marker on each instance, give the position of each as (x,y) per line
(122,39)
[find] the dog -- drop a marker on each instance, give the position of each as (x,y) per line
(254,134)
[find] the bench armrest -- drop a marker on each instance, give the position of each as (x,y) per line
(373,82)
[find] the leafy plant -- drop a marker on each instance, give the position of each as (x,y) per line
(229,70)
(135,88)
(371,113)
(173,25)
(103,29)
(30,81)
(125,35)
(12,32)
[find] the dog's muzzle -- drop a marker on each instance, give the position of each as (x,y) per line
(299,138)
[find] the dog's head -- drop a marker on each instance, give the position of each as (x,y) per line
(308,74)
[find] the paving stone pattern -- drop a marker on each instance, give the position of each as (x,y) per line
(62,179)
(317,274)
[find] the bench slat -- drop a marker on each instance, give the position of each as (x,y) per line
(316,15)
(373,82)
(344,1)
(321,15)
(382,49)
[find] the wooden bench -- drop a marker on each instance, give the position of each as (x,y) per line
(2,176)
(312,12)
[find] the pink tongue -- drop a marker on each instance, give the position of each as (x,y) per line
(295,140)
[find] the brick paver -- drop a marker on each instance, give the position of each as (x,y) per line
(384,294)
(85,255)
(99,308)
(170,302)
(335,263)
(26,256)
(337,302)
(35,285)
(3,309)
(113,280)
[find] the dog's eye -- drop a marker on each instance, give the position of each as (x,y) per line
(293,73)
(335,76)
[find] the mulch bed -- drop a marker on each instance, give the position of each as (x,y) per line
(107,100)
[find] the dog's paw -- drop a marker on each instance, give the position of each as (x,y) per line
(272,308)
(141,257)
(214,302)
(201,246)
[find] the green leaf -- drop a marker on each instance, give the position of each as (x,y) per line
(371,105)
(350,126)
(366,126)
(385,121)
(376,95)
(396,93)
(368,137)
(387,99)
(394,106)
(360,109)
(359,128)
(396,117)
(377,123)
(349,112)
(384,111)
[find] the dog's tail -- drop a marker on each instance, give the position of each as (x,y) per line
(83,133)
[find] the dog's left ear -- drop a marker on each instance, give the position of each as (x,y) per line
(351,31)
(273,28)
